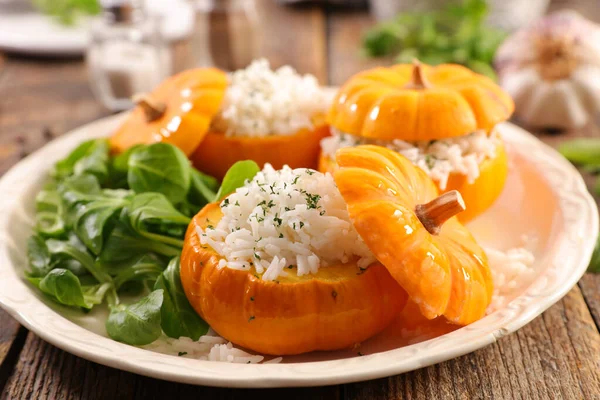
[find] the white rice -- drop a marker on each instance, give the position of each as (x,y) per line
(210,347)
(438,158)
(262,102)
(286,221)
(511,271)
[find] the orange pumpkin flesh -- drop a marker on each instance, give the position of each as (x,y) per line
(478,195)
(183,106)
(218,152)
(337,308)
(483,192)
(445,274)
(418,102)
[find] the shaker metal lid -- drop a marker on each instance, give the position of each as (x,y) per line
(122,11)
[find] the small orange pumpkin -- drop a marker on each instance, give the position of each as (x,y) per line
(418,102)
(395,208)
(179,111)
(337,308)
(218,152)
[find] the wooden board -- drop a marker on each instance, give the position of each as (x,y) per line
(555,356)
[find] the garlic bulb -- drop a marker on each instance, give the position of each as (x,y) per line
(552,71)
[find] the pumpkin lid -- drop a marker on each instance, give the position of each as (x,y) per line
(179,111)
(396,210)
(418,102)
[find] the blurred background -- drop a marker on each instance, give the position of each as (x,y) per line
(64,63)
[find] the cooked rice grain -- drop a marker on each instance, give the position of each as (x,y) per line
(286,221)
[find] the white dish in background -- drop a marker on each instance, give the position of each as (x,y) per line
(545,197)
(24,30)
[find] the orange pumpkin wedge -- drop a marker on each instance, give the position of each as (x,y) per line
(179,111)
(478,195)
(418,102)
(336,308)
(395,208)
(218,152)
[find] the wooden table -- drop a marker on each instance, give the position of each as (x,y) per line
(555,356)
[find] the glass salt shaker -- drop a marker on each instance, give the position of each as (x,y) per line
(127,54)
(227,33)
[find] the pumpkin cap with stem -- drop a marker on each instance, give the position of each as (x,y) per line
(153,110)
(418,80)
(434,213)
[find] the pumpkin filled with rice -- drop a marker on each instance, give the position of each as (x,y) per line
(260,114)
(444,119)
(297,260)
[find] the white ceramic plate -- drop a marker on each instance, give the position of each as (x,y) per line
(544,197)
(24,30)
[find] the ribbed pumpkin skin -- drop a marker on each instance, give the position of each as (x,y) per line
(192,98)
(478,196)
(378,104)
(335,309)
(445,274)
(218,152)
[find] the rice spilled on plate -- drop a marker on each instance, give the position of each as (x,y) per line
(438,158)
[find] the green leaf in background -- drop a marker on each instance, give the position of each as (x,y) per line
(137,324)
(594,265)
(152,216)
(63,286)
(67,11)
(456,33)
(236,176)
(49,215)
(178,318)
(91,157)
(581,151)
(161,168)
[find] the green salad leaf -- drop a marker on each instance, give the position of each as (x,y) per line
(161,168)
(147,267)
(91,210)
(152,216)
(64,287)
(137,324)
(91,157)
(178,318)
(107,227)
(40,259)
(49,217)
(236,176)
(203,189)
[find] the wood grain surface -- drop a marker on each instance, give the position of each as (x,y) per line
(556,356)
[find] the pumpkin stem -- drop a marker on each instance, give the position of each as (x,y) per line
(433,214)
(152,109)
(418,80)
